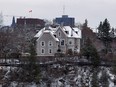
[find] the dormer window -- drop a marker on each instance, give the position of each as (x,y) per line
(67,32)
(54,35)
(76,32)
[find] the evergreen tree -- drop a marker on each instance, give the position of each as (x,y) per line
(32,72)
(99,30)
(112,33)
(33,66)
(104,34)
(90,52)
(86,23)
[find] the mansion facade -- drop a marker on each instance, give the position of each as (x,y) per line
(50,40)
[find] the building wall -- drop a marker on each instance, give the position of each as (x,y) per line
(77,44)
(61,36)
(65,20)
(46,38)
(30,22)
(74,44)
(71,43)
(65,42)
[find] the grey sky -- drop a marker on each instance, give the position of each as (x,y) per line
(93,10)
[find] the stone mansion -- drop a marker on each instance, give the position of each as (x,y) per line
(63,38)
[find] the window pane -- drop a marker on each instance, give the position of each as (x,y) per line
(62,42)
(50,43)
(59,34)
(70,42)
(50,51)
(42,51)
(42,43)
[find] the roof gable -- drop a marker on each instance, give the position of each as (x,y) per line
(47,32)
(61,29)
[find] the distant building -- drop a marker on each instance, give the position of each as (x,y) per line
(13,25)
(65,20)
(51,40)
(30,22)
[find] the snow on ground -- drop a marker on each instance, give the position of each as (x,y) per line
(76,77)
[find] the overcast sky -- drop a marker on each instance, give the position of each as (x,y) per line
(93,10)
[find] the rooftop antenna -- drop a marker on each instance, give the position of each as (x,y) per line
(63,9)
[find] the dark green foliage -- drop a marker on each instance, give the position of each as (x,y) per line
(32,58)
(112,33)
(100,30)
(31,69)
(104,34)
(90,52)
(86,23)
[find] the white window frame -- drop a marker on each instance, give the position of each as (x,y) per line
(50,42)
(41,43)
(42,52)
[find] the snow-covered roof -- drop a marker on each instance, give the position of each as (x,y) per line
(72,32)
(78,32)
(39,33)
(42,31)
(52,30)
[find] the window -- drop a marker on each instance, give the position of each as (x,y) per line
(54,35)
(50,43)
(42,43)
(62,42)
(42,51)
(67,32)
(59,34)
(76,32)
(50,51)
(76,47)
(70,42)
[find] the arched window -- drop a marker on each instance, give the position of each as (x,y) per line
(42,43)
(49,51)
(50,43)
(59,34)
(42,51)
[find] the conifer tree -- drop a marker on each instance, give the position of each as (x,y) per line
(86,23)
(100,30)
(90,52)
(31,69)
(104,34)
